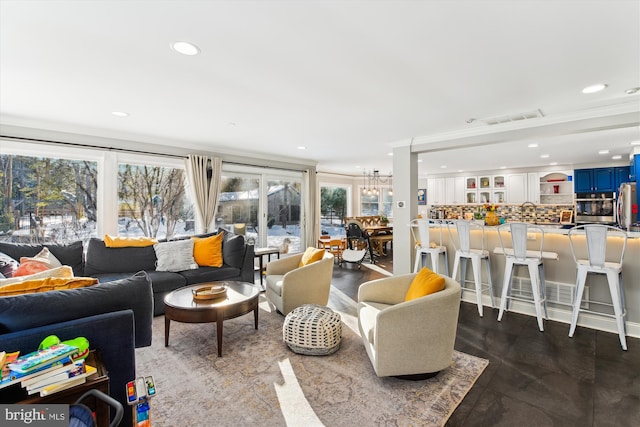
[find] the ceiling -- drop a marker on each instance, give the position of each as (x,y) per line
(350,81)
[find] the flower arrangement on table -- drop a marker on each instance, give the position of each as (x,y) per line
(490,207)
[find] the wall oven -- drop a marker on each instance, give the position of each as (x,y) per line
(595,208)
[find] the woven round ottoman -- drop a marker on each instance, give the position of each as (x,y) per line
(313,330)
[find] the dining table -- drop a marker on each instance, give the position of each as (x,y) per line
(379,235)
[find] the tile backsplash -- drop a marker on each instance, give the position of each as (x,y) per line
(510,213)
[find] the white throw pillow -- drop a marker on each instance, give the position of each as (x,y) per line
(175,256)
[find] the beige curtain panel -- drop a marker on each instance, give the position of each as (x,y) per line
(204,178)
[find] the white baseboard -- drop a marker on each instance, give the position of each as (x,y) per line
(587,320)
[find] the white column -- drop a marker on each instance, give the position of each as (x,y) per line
(405,206)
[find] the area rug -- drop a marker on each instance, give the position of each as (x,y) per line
(259,381)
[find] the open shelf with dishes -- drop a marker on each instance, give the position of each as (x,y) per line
(556,188)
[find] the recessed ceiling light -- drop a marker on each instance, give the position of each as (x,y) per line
(120,113)
(443,167)
(632,90)
(603,152)
(635,142)
(534,145)
(460,170)
(503,167)
(185,48)
(553,163)
(419,160)
(616,157)
(594,88)
(301,147)
(544,156)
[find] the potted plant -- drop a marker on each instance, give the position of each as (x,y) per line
(383,219)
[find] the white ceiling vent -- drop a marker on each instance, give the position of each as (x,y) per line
(535,114)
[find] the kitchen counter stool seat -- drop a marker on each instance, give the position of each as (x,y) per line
(424,248)
(596,242)
(465,253)
(518,255)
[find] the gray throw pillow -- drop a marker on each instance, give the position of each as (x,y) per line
(175,256)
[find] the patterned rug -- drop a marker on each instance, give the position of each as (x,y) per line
(259,381)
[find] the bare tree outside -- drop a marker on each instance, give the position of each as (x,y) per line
(152,198)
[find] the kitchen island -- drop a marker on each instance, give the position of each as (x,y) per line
(560,275)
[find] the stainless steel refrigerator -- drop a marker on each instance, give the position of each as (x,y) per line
(628,206)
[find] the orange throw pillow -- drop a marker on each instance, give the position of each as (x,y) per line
(128,242)
(28,267)
(425,283)
(311,255)
(207,251)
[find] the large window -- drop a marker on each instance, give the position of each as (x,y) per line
(284,205)
(376,204)
(238,205)
(153,202)
(63,194)
(46,199)
(333,210)
(266,208)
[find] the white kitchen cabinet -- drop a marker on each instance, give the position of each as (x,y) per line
(436,191)
(454,190)
(516,188)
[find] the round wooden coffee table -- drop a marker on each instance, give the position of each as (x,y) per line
(180,306)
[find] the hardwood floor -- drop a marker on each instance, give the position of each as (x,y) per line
(534,378)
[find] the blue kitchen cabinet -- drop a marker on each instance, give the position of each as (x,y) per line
(582,178)
(621,174)
(596,179)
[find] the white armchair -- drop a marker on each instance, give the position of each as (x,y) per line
(290,286)
(412,339)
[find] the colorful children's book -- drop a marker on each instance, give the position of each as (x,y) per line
(69,382)
(59,375)
(53,369)
(35,360)
(6,359)
(18,377)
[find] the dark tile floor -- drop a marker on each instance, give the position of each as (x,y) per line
(535,378)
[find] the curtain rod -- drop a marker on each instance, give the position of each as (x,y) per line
(128,150)
(95,147)
(265,167)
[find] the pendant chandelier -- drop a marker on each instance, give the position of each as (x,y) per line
(375,184)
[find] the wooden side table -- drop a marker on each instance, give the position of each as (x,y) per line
(99,381)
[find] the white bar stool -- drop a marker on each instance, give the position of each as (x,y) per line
(518,255)
(464,253)
(596,242)
(423,246)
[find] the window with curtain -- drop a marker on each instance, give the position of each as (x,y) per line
(153,201)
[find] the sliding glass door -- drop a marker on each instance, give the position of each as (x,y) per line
(284,207)
(266,208)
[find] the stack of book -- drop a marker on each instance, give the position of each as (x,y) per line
(45,371)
